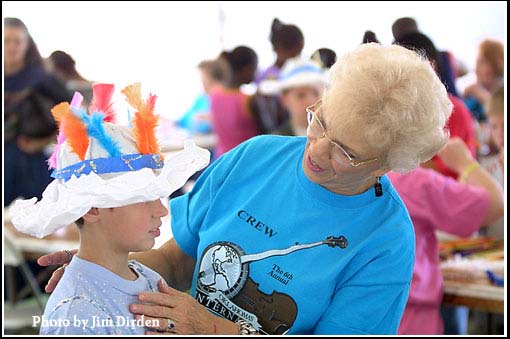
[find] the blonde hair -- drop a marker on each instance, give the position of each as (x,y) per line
(496,104)
(393,96)
(494,52)
(217,69)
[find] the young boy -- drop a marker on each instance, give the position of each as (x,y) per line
(300,84)
(109,179)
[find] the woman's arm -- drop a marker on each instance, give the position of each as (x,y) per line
(457,157)
(169,261)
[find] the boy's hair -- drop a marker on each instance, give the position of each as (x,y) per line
(80,222)
(496,104)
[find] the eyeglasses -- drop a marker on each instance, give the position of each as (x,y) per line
(316,130)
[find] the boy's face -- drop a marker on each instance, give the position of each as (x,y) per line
(497,125)
(133,228)
(297,99)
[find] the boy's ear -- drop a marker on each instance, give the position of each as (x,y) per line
(92,215)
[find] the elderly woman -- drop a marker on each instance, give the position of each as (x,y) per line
(306,235)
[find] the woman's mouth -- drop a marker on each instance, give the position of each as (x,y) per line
(313,166)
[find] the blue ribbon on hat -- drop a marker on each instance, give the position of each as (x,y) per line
(301,69)
(124,163)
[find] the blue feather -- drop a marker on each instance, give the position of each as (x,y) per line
(94,123)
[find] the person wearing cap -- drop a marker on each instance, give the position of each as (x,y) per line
(109,179)
(287,41)
(300,84)
(306,235)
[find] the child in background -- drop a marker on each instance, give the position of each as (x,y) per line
(288,42)
(436,202)
(232,120)
(213,74)
(300,85)
(494,164)
(109,179)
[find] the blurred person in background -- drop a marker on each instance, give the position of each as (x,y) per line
(29,128)
(368,37)
(461,123)
(288,42)
(495,162)
(63,66)
(436,202)
(232,120)
(324,57)
(300,84)
(214,74)
(446,62)
(489,77)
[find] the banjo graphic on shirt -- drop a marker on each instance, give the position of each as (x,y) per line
(224,286)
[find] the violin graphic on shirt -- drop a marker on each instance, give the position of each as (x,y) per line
(224,267)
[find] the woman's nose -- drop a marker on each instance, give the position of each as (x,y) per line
(320,146)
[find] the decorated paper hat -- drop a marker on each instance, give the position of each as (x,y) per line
(295,72)
(101,164)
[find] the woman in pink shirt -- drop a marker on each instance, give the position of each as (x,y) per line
(232,120)
(436,202)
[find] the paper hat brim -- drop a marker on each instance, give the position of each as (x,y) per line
(63,203)
(275,87)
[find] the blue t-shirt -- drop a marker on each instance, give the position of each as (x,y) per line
(89,299)
(288,255)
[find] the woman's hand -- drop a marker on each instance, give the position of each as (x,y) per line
(56,258)
(175,312)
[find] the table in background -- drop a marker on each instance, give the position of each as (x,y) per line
(465,265)
(172,144)
(480,297)
(63,239)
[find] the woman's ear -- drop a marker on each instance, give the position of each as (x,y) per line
(380,172)
(92,216)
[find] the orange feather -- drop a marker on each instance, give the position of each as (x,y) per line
(73,129)
(144,121)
